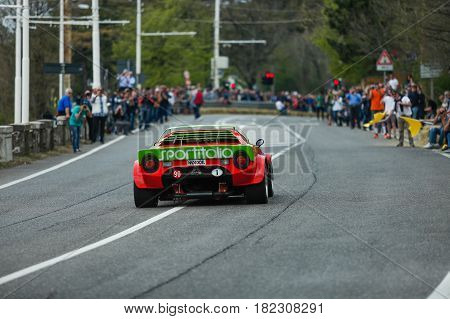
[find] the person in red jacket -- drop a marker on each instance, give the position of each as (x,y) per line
(198,101)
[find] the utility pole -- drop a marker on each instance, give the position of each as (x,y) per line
(18,79)
(96,45)
(26,62)
(138,43)
(61,46)
(216,44)
(67,41)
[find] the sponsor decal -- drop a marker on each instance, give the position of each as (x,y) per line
(197,152)
(196,162)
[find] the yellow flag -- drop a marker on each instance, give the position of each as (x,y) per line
(377,117)
(414,125)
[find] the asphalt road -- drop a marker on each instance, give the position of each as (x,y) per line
(352,217)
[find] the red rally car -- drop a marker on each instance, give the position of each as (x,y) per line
(200,162)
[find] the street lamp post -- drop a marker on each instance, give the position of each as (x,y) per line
(216,44)
(61,46)
(26,62)
(18,78)
(96,45)
(138,43)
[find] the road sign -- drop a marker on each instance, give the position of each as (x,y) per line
(63,68)
(222,62)
(384,62)
(429,71)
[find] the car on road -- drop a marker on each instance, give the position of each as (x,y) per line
(202,161)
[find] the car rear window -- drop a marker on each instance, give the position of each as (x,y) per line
(200,137)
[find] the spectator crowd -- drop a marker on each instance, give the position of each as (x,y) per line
(129,108)
(357,105)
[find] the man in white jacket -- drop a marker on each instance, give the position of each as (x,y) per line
(99,113)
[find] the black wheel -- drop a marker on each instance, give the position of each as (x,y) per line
(270,184)
(145,197)
(258,193)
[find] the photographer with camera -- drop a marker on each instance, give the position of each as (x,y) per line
(79,113)
(438,128)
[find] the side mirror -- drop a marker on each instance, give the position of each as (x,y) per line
(260,142)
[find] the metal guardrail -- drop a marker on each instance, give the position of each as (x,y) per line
(243,104)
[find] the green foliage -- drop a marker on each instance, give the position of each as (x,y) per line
(165,59)
(354,32)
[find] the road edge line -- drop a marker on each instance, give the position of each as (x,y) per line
(71,254)
(65,163)
(442,291)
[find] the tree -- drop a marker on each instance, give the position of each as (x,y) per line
(355,31)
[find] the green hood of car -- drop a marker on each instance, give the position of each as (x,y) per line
(196,152)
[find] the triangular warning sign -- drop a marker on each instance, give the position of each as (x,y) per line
(385,59)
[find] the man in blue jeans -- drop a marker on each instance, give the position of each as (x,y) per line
(79,113)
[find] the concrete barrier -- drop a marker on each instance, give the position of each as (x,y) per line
(37,137)
(21,137)
(48,136)
(6,148)
(62,131)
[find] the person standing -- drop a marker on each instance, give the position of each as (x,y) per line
(320,106)
(132,107)
(403,109)
(123,80)
(164,105)
(99,114)
(393,82)
(422,102)
(354,101)
(198,101)
(375,95)
(413,96)
(86,100)
(365,109)
(389,108)
(65,104)
(337,108)
(79,113)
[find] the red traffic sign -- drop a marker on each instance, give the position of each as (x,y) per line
(384,62)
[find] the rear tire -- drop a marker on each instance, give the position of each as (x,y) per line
(257,193)
(145,197)
(270,179)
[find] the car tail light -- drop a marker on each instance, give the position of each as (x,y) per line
(150,163)
(241,160)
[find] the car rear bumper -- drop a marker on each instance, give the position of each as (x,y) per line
(164,178)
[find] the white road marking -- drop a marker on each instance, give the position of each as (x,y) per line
(275,156)
(442,153)
(50,169)
(77,252)
(48,263)
(297,135)
(442,289)
(85,249)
